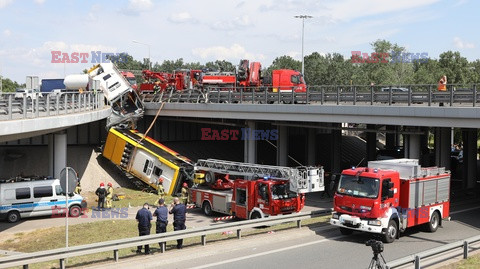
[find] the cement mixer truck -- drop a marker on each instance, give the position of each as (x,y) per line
(126,106)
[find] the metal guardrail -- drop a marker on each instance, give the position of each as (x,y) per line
(416,258)
(62,253)
(47,104)
(356,95)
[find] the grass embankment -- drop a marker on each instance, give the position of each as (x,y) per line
(470,263)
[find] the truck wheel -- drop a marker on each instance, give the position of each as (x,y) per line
(207,208)
(210,177)
(13,216)
(256,215)
(432,226)
(346,231)
(391,233)
(75,211)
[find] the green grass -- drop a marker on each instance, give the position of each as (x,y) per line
(470,263)
(81,234)
(132,197)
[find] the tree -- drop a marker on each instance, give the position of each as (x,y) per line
(454,66)
(10,86)
(220,66)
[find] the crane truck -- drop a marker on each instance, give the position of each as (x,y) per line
(250,191)
(389,196)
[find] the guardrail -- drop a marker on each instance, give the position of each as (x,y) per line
(364,95)
(416,259)
(62,253)
(35,105)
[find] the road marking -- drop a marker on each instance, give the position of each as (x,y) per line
(266,253)
(464,210)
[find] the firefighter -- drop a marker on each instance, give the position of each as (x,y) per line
(101,193)
(109,195)
(184,195)
(160,190)
(78,188)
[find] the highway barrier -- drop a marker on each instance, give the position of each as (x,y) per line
(61,254)
(416,258)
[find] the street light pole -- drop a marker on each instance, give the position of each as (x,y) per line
(149,59)
(303,17)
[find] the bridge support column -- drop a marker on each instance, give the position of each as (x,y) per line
(392,139)
(57,153)
(250,151)
(442,147)
(311,146)
(469,158)
(336,149)
(412,146)
(282,146)
(371,143)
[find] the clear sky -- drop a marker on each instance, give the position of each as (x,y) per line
(207,30)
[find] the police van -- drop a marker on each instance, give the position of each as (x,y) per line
(33,197)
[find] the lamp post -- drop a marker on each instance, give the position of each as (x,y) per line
(303,17)
(149,59)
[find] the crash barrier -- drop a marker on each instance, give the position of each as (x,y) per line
(15,106)
(416,258)
(341,94)
(63,253)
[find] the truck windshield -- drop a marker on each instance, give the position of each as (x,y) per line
(358,186)
(297,79)
(281,191)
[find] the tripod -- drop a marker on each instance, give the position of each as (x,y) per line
(376,263)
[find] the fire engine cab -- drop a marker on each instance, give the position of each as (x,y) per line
(390,196)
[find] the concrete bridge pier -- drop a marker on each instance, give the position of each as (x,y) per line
(57,153)
(336,148)
(392,139)
(250,144)
(282,146)
(442,147)
(311,146)
(469,158)
(371,143)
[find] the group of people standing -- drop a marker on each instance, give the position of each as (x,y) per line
(178,209)
(144,218)
(105,195)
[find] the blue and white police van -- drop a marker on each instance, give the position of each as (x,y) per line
(33,197)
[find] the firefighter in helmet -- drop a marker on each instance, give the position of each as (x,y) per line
(109,195)
(101,193)
(160,190)
(184,195)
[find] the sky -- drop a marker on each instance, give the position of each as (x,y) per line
(208,30)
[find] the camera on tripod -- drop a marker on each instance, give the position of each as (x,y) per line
(377,246)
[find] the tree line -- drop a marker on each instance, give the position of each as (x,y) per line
(335,69)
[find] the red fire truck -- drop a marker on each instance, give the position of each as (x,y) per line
(390,196)
(250,191)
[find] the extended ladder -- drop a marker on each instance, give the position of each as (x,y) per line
(301,179)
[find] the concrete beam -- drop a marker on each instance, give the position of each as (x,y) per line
(469,158)
(282,146)
(442,147)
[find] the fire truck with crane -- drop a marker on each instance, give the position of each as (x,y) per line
(390,196)
(179,80)
(250,191)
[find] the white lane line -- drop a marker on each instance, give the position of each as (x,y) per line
(266,253)
(464,210)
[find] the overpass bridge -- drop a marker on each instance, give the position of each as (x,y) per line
(321,109)
(51,114)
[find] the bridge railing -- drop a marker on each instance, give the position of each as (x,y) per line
(61,254)
(330,94)
(24,106)
(416,258)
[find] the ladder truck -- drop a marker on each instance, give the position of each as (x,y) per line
(389,196)
(250,191)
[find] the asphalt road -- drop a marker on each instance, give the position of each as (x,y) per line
(308,248)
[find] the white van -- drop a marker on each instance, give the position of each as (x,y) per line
(41,197)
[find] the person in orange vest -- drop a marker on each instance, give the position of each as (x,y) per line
(442,83)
